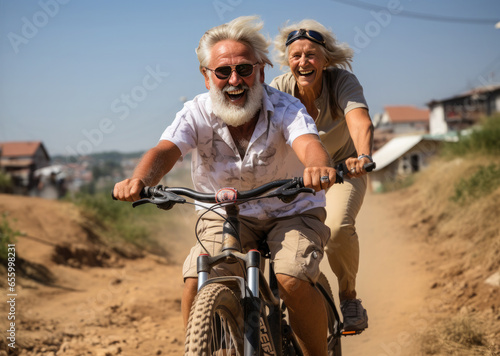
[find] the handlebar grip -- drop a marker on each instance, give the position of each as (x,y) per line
(370,166)
(343,168)
(145,193)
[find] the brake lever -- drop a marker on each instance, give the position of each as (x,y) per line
(288,192)
(161,198)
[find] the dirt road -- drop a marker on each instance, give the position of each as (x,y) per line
(392,282)
(132,307)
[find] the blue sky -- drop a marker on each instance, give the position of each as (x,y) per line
(93,76)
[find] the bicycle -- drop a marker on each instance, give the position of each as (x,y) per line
(234,315)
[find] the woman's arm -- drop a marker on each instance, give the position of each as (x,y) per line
(361,131)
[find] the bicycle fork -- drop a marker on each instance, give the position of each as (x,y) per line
(230,253)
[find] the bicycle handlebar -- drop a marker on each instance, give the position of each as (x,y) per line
(287,188)
(287,191)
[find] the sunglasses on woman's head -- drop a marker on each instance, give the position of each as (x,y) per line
(224,72)
(308,34)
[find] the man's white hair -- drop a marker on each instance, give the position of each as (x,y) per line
(244,29)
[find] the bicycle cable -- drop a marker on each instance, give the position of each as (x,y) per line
(212,209)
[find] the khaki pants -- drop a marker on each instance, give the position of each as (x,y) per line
(343,202)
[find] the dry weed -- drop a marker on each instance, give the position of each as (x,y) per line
(460,336)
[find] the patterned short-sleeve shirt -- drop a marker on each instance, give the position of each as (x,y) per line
(216,162)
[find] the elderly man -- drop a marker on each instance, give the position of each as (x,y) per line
(243,134)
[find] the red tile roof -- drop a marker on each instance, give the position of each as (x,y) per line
(400,114)
(19,149)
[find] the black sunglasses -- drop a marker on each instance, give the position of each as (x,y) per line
(224,72)
(308,34)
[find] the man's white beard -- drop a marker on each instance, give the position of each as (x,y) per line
(234,115)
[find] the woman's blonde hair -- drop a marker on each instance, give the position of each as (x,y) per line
(337,54)
(245,29)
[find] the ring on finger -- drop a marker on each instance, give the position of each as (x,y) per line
(353,170)
(324,179)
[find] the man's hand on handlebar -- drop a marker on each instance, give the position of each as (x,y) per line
(319,178)
(128,189)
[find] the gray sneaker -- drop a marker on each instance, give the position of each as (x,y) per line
(355,316)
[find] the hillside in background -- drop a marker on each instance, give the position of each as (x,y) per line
(453,209)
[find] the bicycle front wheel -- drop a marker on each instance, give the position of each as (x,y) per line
(215,325)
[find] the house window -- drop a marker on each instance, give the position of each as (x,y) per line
(410,164)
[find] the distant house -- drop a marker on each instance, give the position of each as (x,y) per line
(401,157)
(405,119)
(399,120)
(463,111)
(21,159)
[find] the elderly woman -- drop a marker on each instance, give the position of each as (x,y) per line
(334,98)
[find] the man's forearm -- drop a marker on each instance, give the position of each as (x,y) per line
(156,162)
(311,151)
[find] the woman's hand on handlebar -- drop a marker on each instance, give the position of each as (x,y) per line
(315,177)
(356,166)
(128,189)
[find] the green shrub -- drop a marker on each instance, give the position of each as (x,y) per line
(5,183)
(482,140)
(7,236)
(481,183)
(117,218)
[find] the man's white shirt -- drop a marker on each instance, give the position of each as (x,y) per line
(216,162)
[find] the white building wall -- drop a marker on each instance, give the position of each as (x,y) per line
(437,123)
(385,119)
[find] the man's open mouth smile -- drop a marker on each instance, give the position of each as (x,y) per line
(236,94)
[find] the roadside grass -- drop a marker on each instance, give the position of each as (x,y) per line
(118,223)
(454,206)
(398,184)
(461,335)
(482,182)
(483,140)
(8,235)
(5,183)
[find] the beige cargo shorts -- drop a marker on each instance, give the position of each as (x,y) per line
(296,243)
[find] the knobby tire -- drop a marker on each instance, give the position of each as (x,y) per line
(215,325)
